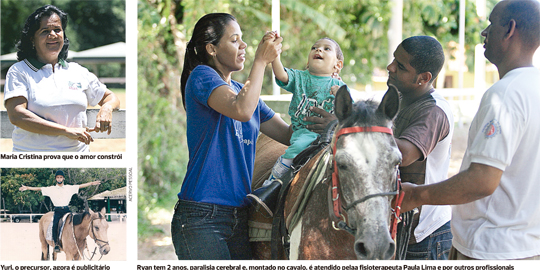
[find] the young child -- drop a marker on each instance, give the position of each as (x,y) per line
(310,88)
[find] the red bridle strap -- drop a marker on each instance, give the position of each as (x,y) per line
(350,130)
(336,201)
(335,180)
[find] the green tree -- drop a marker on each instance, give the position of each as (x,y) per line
(165,26)
(14,178)
(162,145)
(90,23)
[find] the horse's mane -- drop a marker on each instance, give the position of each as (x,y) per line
(365,114)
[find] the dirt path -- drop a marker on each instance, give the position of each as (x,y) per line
(20,242)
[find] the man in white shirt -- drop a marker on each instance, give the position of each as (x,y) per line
(60,195)
(496,214)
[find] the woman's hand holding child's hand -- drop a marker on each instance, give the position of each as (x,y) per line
(269,48)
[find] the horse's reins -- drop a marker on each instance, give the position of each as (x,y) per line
(336,200)
(97,240)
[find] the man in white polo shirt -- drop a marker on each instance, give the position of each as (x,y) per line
(496,214)
(60,196)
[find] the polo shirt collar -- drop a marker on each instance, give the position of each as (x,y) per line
(35,65)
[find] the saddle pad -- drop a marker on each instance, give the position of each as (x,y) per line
(301,189)
(48,235)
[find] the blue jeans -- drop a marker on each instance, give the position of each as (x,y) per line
(434,247)
(203,231)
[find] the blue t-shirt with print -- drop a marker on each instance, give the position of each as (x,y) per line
(221,149)
(308,91)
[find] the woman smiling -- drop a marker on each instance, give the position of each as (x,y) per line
(46,97)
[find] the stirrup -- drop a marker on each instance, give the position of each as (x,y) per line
(266,197)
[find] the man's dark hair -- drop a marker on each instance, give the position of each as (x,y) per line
(527,17)
(25,46)
(426,54)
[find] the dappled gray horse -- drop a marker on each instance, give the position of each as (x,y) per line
(348,216)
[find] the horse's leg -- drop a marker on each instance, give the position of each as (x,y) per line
(45,256)
(319,240)
(76,257)
(44,245)
(80,247)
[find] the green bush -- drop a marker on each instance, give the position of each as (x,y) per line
(162,149)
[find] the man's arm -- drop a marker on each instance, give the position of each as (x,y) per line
(409,152)
(424,131)
(475,183)
(95,183)
(24,188)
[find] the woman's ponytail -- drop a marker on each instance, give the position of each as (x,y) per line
(208,30)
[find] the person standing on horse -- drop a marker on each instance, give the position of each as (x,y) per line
(60,195)
(496,214)
(311,88)
(223,119)
(423,131)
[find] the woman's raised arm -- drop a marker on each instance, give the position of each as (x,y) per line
(242,105)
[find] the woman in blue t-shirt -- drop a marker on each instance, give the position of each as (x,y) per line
(224,118)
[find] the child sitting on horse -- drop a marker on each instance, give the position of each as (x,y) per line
(310,88)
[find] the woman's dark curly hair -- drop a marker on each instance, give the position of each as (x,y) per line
(25,46)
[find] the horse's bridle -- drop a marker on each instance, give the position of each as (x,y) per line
(97,240)
(336,200)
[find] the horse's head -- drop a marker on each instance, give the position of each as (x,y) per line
(98,230)
(367,163)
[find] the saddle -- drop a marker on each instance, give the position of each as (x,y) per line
(74,217)
(300,188)
(263,228)
(61,223)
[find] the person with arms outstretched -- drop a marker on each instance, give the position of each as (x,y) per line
(60,195)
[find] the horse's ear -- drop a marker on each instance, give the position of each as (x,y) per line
(343,103)
(90,211)
(103,211)
(390,103)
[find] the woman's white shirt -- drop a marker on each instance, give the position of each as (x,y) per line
(61,96)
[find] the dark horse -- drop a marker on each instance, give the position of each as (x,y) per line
(365,163)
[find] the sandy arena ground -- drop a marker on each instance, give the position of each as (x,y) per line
(20,242)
